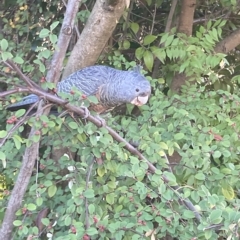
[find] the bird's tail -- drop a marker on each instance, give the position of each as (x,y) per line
(25,103)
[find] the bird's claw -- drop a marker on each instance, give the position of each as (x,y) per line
(86,112)
(103,121)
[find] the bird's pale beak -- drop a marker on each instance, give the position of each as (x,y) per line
(140,100)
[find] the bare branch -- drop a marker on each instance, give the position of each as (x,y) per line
(54,73)
(87,223)
(12,91)
(25,78)
(170,15)
(157,62)
(18,124)
(75,26)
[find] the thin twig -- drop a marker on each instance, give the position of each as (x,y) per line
(153,20)
(75,25)
(87,223)
(18,124)
(24,77)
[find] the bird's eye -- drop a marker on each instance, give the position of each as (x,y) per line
(137,90)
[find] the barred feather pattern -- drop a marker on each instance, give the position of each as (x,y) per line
(112,87)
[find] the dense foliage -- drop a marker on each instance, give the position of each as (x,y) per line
(97,181)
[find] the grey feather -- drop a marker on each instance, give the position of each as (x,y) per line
(113,86)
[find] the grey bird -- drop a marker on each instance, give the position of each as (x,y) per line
(112,88)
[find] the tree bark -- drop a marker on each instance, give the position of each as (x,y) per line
(31,153)
(186,16)
(184,26)
(229,43)
(98,30)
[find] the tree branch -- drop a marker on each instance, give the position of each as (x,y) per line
(99,28)
(157,62)
(25,78)
(229,43)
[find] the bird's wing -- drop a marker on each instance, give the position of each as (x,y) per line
(87,80)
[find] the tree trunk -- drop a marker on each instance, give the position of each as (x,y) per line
(184,26)
(98,30)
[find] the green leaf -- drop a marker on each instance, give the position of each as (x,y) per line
(53,38)
(164,38)
(44,33)
(139,53)
(160,54)
(110,198)
(171,178)
(6,56)
(45,221)
(200,176)
(215,215)
(68,221)
(17,223)
(48,183)
(42,68)
(17,141)
(149,39)
(228,192)
(31,207)
(18,60)
(101,171)
(126,44)
(188,214)
(36,138)
(46,53)
(169,40)
(208,234)
(135,27)
(91,208)
(39,201)
(179,136)
(3,158)
(20,113)
(73,125)
(148,60)
(54,25)
(226,171)
(89,193)
(217,154)
(149,2)
(52,190)
(3,134)
(4,45)
(92,231)
(163,145)
(170,151)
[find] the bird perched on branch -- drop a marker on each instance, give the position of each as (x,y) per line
(112,88)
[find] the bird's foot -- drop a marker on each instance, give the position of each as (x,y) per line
(103,121)
(86,112)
